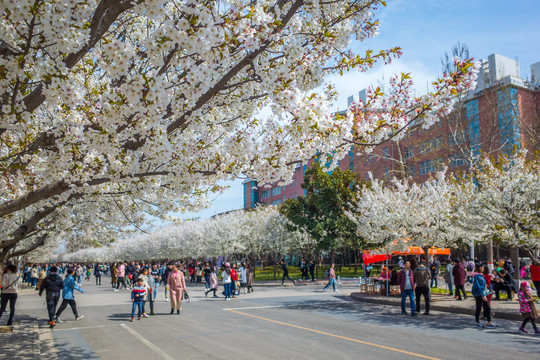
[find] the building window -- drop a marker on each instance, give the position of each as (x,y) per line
(456,161)
(266,194)
(386,152)
(411,171)
(408,152)
(276,202)
(473,120)
(427,167)
(509,126)
(386,172)
(276,191)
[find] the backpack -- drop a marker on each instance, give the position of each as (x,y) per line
(469,267)
(327,273)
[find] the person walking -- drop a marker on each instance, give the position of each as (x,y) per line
(52,284)
(97,274)
(449,278)
(42,275)
(227,281)
(459,274)
(435,270)
(212,282)
(143,275)
(285,270)
(250,273)
(304,269)
(121,276)
(406,285)
(79,272)
(311,268)
(535,277)
(155,273)
(10,289)
(114,275)
(331,279)
(68,297)
(527,308)
(151,281)
(242,277)
(137,297)
(480,292)
(177,285)
(34,275)
(421,278)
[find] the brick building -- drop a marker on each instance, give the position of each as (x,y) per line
(501,115)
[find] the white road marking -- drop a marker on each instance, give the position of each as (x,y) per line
(257,307)
(160,352)
(86,327)
(524,336)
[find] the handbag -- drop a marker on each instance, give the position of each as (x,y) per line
(486,292)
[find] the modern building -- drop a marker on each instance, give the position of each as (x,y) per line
(500,116)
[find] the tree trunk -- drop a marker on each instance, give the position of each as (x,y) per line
(514,255)
(490,255)
(4,257)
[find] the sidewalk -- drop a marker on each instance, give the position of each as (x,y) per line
(508,310)
(20,341)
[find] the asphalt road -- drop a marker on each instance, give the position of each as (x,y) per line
(272,323)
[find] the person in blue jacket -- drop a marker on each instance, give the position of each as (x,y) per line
(480,293)
(67,296)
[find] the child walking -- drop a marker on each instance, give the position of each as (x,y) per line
(527,307)
(137,297)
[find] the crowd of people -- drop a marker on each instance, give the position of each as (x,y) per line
(144,279)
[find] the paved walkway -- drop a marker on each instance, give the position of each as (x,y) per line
(106,316)
(503,309)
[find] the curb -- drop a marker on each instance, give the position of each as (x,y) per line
(448,309)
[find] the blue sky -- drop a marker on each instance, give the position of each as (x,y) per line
(425,29)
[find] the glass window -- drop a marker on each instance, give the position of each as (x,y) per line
(276,191)
(266,194)
(408,152)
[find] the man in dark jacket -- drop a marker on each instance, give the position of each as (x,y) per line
(459,274)
(509,284)
(311,267)
(285,269)
(52,284)
(422,276)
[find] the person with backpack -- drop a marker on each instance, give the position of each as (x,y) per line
(470,268)
(421,278)
(10,289)
(67,296)
(449,278)
(331,278)
(311,267)
(435,269)
(285,270)
(480,292)
(213,283)
(52,284)
(97,274)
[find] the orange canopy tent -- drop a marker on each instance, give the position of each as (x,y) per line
(438,251)
(412,250)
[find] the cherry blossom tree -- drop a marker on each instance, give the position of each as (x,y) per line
(502,202)
(116,111)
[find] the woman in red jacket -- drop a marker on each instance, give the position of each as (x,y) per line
(535,277)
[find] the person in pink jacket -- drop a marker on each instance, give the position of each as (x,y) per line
(177,285)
